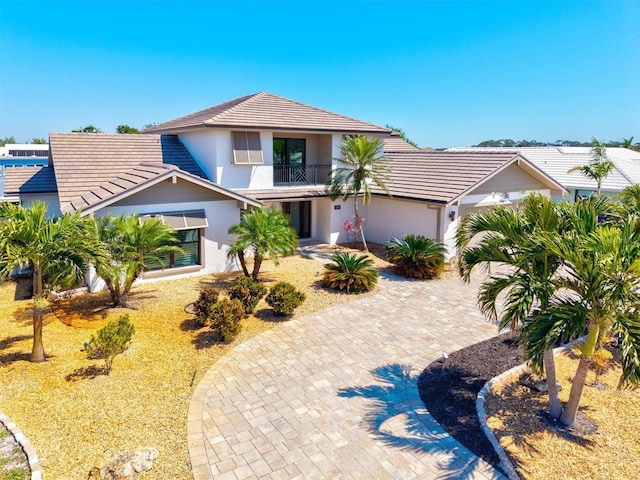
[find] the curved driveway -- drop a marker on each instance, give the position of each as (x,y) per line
(334,394)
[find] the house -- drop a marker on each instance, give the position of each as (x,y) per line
(557,161)
(199,171)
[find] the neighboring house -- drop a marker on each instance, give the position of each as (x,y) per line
(28,152)
(557,161)
(199,171)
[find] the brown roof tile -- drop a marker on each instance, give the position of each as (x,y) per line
(90,167)
(267,111)
(441,177)
(29,180)
(397,144)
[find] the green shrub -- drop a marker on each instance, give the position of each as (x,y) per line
(284,298)
(416,256)
(350,273)
(203,306)
(248,291)
(226,316)
(113,339)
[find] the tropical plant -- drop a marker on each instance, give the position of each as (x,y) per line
(402,135)
(112,340)
(203,306)
(59,249)
(248,291)
(364,165)
(226,316)
(524,273)
(133,244)
(599,295)
(416,256)
(284,298)
(350,272)
(599,167)
(262,232)
(630,198)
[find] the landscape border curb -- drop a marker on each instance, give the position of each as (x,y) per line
(25,444)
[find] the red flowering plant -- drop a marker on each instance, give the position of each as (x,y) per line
(353,228)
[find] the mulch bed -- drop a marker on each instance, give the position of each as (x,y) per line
(449,389)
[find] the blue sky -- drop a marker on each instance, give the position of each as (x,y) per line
(449,73)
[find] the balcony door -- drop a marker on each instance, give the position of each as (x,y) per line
(289,160)
(299,217)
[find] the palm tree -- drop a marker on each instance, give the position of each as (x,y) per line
(630,198)
(506,237)
(416,256)
(59,250)
(132,245)
(599,295)
(627,143)
(262,231)
(364,165)
(599,167)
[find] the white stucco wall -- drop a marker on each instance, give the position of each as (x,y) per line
(389,217)
(213,150)
(51,199)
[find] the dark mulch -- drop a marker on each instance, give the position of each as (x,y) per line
(449,389)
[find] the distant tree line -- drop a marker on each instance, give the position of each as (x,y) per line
(12,139)
(507,142)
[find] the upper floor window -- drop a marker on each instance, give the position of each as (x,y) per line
(289,151)
(246,148)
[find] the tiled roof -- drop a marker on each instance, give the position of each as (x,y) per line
(557,161)
(29,180)
(267,111)
(441,177)
(88,162)
(397,144)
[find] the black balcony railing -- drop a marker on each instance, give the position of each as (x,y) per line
(301,174)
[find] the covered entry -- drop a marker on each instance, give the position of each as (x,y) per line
(300,217)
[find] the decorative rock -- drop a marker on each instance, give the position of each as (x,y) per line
(123,466)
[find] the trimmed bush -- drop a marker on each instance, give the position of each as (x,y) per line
(248,291)
(416,256)
(226,316)
(111,340)
(350,272)
(203,306)
(284,298)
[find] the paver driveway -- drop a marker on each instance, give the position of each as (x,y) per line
(334,394)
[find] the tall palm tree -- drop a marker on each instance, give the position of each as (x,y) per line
(364,165)
(599,294)
(599,167)
(132,245)
(262,231)
(59,250)
(506,238)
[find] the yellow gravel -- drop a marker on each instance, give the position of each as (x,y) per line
(539,453)
(73,414)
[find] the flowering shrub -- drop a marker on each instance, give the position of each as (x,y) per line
(353,228)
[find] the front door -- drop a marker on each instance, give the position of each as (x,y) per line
(299,217)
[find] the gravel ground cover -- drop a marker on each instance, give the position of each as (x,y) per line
(73,414)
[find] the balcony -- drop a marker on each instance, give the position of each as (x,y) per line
(294,175)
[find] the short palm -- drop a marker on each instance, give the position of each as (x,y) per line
(416,256)
(350,272)
(262,232)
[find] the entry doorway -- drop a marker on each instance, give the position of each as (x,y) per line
(299,217)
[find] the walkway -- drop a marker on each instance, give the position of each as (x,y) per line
(334,394)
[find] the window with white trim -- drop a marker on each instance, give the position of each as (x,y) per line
(247,149)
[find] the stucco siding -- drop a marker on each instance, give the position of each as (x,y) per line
(168,192)
(388,217)
(512,178)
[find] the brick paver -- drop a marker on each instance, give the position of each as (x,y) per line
(334,394)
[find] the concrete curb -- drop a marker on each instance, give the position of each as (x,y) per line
(482,415)
(25,444)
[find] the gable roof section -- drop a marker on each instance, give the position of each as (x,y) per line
(93,170)
(266,111)
(21,180)
(444,177)
(557,161)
